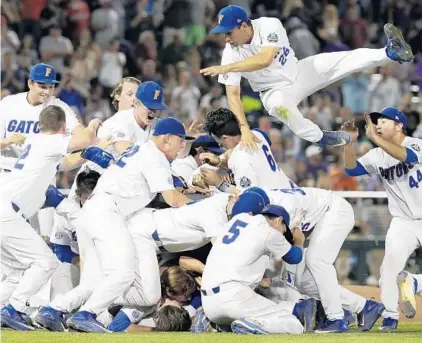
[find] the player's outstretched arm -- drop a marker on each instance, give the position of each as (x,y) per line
(84,137)
(174,198)
(16,138)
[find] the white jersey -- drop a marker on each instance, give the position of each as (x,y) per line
(305,206)
(283,69)
(184,167)
(17,115)
(137,176)
(34,171)
(242,253)
(259,169)
(121,127)
(192,226)
(402,181)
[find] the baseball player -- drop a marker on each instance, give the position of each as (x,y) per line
(228,295)
(22,195)
(20,118)
(259,169)
(125,188)
(259,50)
(326,219)
(123,95)
(397,160)
(409,285)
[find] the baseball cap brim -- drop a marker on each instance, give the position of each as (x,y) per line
(45,81)
(154,105)
(217,151)
(223,29)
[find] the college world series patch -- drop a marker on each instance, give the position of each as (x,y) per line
(272,37)
(245,182)
(415,147)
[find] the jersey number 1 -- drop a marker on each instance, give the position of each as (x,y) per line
(234,232)
(19,162)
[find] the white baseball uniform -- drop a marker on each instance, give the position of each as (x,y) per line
(173,230)
(403,183)
(330,218)
(287,81)
(184,167)
(235,266)
(124,188)
(259,169)
(22,195)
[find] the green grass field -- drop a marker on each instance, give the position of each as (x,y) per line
(406,333)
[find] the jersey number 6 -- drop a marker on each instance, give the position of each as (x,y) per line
(234,232)
(269,157)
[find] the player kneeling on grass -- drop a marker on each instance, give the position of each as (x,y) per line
(228,295)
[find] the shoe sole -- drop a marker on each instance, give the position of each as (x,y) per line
(49,324)
(391,30)
(332,331)
(387,329)
(378,314)
(85,328)
(246,328)
(407,302)
(309,325)
(13,324)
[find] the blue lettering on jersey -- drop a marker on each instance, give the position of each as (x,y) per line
(23,126)
(396,171)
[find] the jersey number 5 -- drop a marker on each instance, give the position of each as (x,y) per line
(132,150)
(19,162)
(234,232)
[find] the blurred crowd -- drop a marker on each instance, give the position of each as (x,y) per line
(93,44)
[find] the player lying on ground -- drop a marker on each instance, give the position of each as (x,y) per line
(259,50)
(397,160)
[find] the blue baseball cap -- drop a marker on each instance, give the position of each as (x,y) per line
(229,18)
(248,203)
(390,113)
(277,211)
(43,73)
(151,95)
(261,192)
(171,126)
(208,142)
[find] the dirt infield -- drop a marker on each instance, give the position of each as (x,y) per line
(368,292)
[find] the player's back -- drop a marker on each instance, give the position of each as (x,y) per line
(34,171)
(259,169)
(240,254)
(191,226)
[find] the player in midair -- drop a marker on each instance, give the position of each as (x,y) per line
(22,195)
(397,160)
(259,50)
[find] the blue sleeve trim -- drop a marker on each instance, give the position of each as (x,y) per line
(294,255)
(63,252)
(267,138)
(411,157)
(357,171)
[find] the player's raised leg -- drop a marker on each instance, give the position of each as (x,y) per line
(319,71)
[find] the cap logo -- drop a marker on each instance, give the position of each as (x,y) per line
(397,118)
(47,71)
(157,94)
(220,18)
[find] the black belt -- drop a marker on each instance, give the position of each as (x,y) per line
(214,290)
(156,238)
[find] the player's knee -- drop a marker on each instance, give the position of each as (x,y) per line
(125,276)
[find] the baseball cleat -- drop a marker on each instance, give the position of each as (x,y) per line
(333,326)
(13,319)
(349,317)
(305,311)
(51,319)
(200,322)
(389,325)
(334,138)
(407,290)
(370,314)
(397,49)
(247,327)
(86,322)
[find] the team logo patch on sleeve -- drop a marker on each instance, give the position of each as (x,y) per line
(245,182)
(58,235)
(120,134)
(272,37)
(415,147)
(225,76)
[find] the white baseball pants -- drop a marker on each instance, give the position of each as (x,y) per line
(315,73)
(22,249)
(403,237)
(235,301)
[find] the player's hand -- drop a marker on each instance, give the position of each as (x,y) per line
(210,176)
(16,138)
(94,124)
(198,281)
(248,141)
(215,70)
(210,158)
(194,129)
(371,129)
(196,189)
(105,142)
(198,181)
(298,236)
(350,128)
(265,282)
